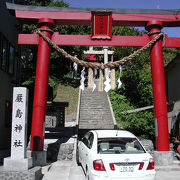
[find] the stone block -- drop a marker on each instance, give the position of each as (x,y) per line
(66,152)
(163,158)
(31,174)
(11,164)
(28,154)
(39,158)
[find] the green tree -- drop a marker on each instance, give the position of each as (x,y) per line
(136,90)
(60,67)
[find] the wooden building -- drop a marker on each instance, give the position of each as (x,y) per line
(172,72)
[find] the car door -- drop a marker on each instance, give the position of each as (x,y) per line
(88,150)
(85,149)
(82,150)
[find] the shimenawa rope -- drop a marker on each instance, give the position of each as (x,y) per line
(98,65)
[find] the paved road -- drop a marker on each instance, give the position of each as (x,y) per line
(168,175)
(68,170)
(63,170)
(171,172)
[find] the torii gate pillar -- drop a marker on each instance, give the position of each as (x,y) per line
(159,88)
(40,92)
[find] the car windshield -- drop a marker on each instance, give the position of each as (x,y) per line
(119,146)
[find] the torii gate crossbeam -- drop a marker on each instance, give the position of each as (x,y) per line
(82,16)
(85,40)
(152,20)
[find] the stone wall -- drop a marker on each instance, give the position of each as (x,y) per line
(32,174)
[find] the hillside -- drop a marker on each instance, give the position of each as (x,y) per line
(68,92)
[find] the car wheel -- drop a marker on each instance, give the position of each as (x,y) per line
(87,175)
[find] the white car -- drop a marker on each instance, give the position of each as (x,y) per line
(114,155)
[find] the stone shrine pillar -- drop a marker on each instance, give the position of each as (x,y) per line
(18,160)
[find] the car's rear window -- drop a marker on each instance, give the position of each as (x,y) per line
(119,146)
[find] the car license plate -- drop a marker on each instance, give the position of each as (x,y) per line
(126,168)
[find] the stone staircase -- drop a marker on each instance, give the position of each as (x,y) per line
(95,111)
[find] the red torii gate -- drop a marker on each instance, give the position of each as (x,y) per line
(46,18)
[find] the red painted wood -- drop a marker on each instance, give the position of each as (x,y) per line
(101,25)
(85,40)
(84,18)
(64,18)
(169,20)
(40,92)
(159,90)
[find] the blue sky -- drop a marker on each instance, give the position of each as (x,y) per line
(132,4)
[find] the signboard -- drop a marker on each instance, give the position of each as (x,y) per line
(101,25)
(50,121)
(19,123)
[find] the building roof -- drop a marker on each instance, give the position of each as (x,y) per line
(11,6)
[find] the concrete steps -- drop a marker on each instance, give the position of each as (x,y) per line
(95,112)
(63,170)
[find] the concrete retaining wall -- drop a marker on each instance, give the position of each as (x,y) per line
(32,174)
